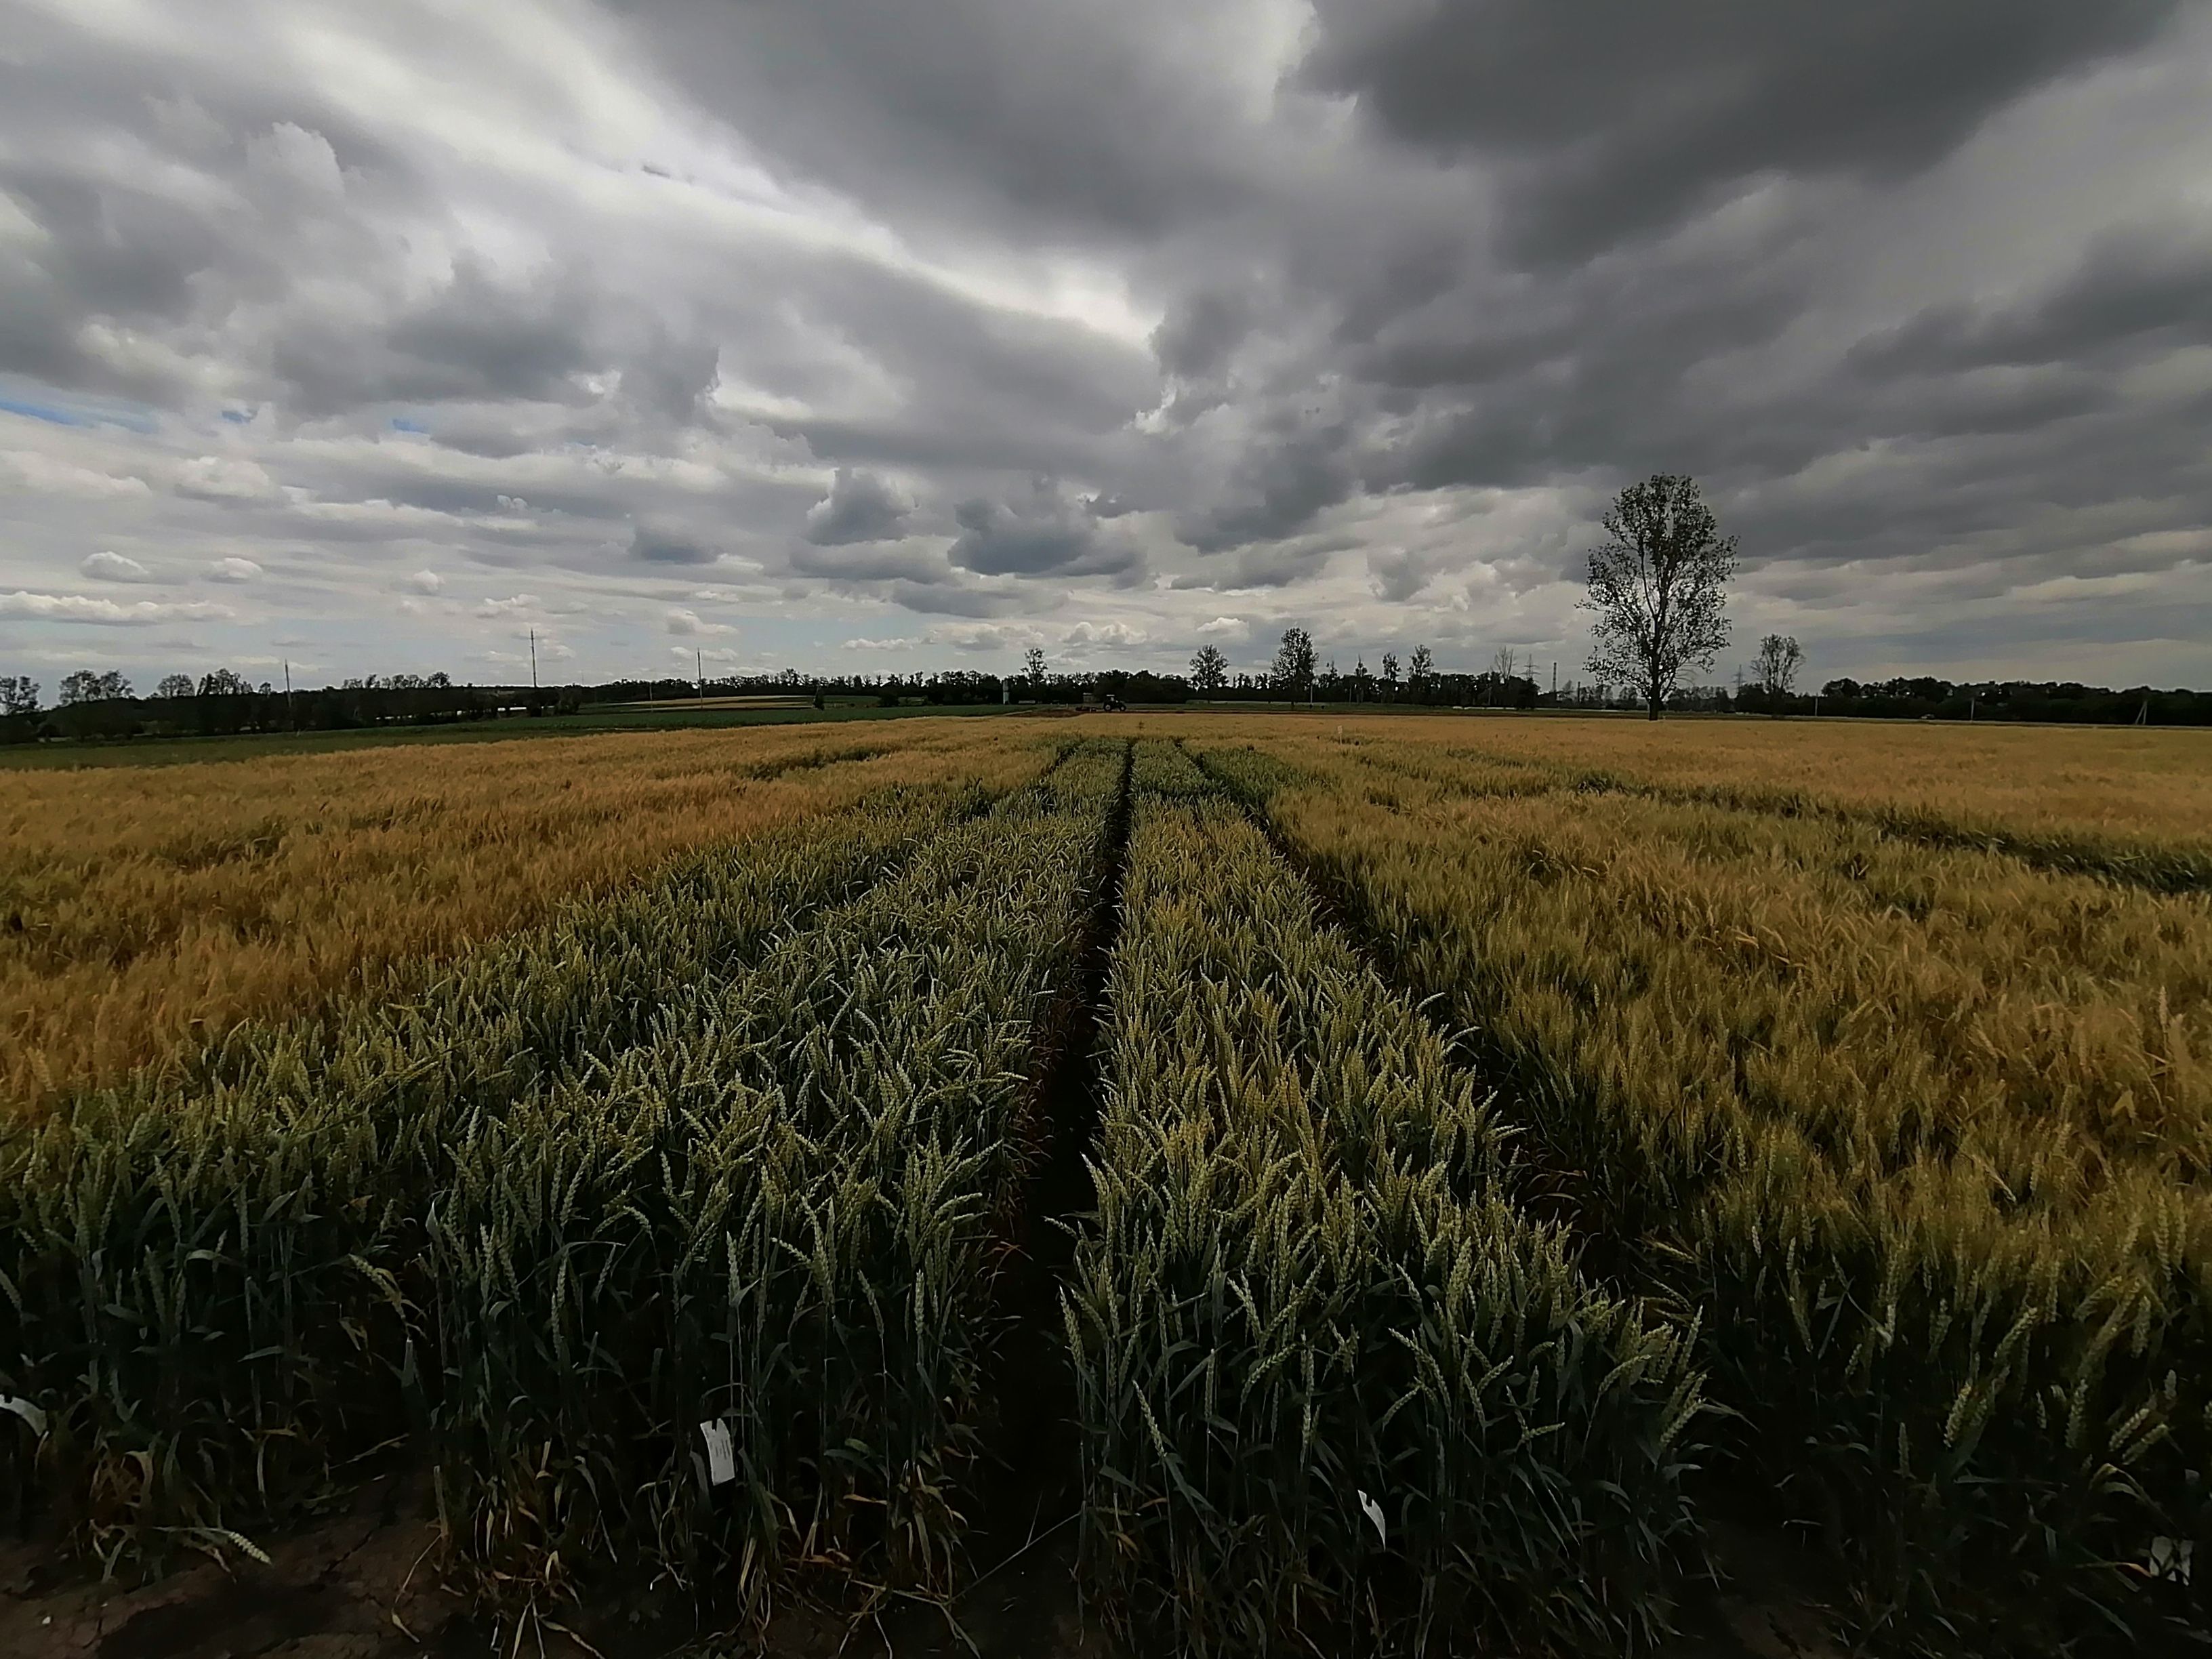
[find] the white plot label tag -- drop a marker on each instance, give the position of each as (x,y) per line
(2170,1559)
(1373,1512)
(721,1457)
(26,1411)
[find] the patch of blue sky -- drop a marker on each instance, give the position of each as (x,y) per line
(59,410)
(43,412)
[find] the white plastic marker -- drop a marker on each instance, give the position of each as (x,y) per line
(2170,1559)
(26,1411)
(721,1457)
(1373,1512)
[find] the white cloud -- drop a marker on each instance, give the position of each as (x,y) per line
(49,475)
(515,606)
(1085,633)
(83,608)
(1225,628)
(225,478)
(115,567)
(233,569)
(293,161)
(984,637)
(690,622)
(426,581)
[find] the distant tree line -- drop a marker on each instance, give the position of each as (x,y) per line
(95,706)
(1299,675)
(947,688)
(224,703)
(2065,702)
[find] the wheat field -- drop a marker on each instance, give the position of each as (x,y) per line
(145,910)
(1561,1133)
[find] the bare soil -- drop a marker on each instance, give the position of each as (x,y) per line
(363,1584)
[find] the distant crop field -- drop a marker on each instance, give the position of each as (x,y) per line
(1495,1162)
(145,910)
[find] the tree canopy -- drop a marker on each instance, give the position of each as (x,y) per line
(1659,587)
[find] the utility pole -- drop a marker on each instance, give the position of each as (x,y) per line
(534,659)
(699,667)
(1555,682)
(290,711)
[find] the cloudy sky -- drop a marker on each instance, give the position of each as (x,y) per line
(859,335)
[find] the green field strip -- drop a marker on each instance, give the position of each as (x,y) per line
(210,1275)
(778,1215)
(1307,1291)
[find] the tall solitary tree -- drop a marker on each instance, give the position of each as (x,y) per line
(1776,668)
(1658,587)
(1420,671)
(174,685)
(1033,668)
(1209,669)
(1294,661)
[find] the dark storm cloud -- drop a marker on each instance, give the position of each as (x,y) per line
(1399,573)
(859,507)
(1277,567)
(669,373)
(1196,337)
(874,562)
(2132,294)
(994,388)
(1621,117)
(1286,479)
(949,600)
(120,253)
(662,545)
(1042,533)
(1361,315)
(476,339)
(1099,121)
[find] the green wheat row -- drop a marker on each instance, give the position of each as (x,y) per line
(215,1280)
(1307,1289)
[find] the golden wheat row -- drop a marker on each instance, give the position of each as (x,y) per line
(143,910)
(2147,790)
(1921,1130)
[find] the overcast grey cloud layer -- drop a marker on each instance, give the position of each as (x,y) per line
(858,335)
